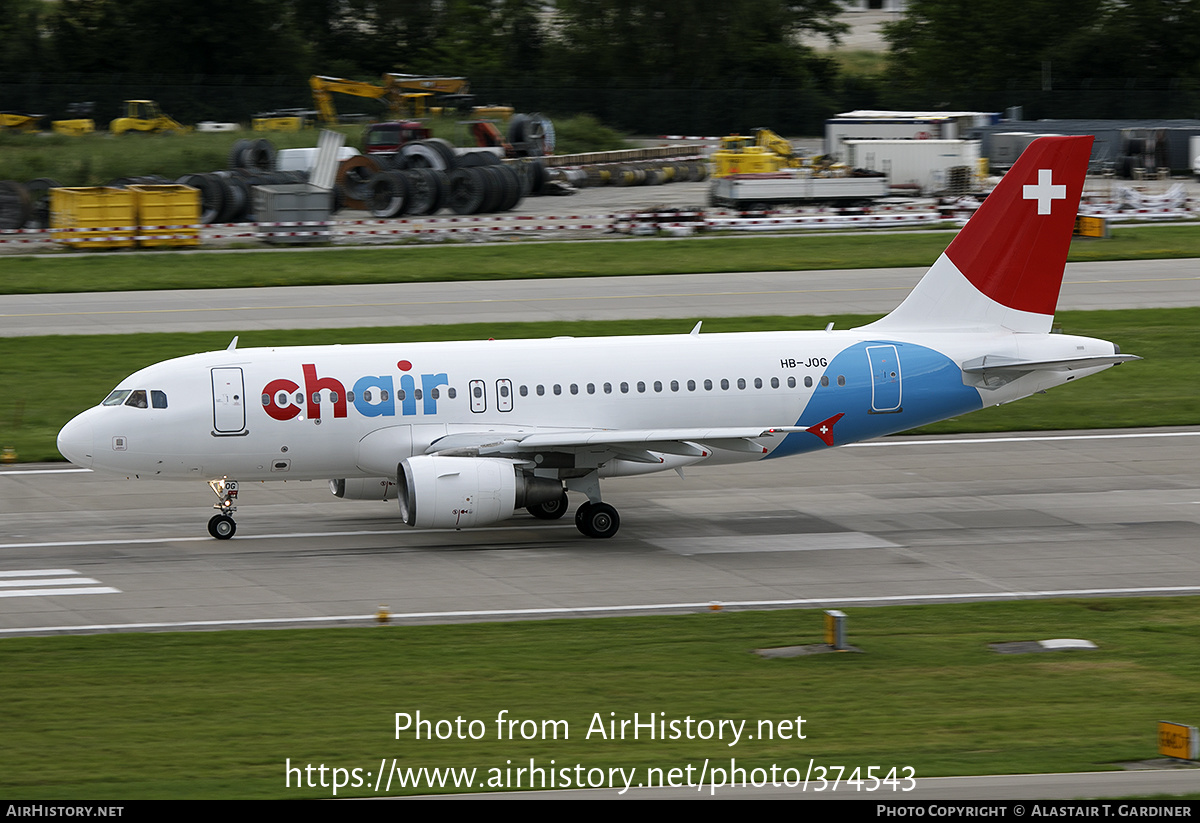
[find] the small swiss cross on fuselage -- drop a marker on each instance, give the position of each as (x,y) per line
(1045,191)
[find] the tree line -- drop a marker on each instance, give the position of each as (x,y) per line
(697,65)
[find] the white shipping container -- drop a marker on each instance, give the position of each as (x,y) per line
(923,163)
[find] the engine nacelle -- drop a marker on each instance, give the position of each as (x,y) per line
(364,488)
(459,492)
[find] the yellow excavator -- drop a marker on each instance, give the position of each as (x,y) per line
(403,95)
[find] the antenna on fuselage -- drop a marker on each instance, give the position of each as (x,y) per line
(696,329)
(232,344)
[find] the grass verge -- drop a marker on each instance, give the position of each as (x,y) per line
(217,715)
(101,271)
(50,379)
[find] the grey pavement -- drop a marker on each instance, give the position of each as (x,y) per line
(689,297)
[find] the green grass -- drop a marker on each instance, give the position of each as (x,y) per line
(203,715)
(50,379)
(41,274)
(95,159)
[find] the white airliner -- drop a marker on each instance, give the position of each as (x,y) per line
(467,433)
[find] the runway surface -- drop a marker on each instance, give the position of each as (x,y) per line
(913,520)
(1110,285)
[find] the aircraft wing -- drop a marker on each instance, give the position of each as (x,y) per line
(632,444)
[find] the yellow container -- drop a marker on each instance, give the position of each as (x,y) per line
(168,215)
(95,217)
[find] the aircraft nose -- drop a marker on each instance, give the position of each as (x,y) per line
(75,442)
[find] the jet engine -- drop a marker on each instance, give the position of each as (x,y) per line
(458,492)
(363,488)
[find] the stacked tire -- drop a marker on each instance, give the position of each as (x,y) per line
(428,175)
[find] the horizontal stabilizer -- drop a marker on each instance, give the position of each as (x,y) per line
(995,363)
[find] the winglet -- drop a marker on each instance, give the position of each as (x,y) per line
(824,429)
(1004,269)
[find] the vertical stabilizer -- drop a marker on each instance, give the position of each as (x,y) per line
(1004,269)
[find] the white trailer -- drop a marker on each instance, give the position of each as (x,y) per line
(924,166)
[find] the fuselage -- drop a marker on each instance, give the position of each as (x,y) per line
(353,411)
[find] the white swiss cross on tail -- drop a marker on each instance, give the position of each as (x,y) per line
(1045,192)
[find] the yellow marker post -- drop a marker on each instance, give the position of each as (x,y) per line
(1178,741)
(835,628)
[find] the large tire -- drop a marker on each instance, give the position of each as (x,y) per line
(468,190)
(236,151)
(39,201)
(233,197)
(212,194)
(512,188)
(445,148)
(15,205)
(428,154)
(494,191)
(354,177)
(427,191)
(552,510)
(260,155)
(389,194)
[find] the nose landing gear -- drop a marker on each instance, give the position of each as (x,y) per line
(221,525)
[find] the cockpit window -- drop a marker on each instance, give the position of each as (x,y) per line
(137,399)
(116,398)
(158,399)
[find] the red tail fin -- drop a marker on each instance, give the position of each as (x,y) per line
(1004,269)
(1014,248)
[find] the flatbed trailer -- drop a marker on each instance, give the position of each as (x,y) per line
(755,192)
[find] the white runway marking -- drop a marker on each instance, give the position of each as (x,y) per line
(39,583)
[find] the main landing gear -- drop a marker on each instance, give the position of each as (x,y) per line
(592,519)
(597,520)
(550,510)
(221,525)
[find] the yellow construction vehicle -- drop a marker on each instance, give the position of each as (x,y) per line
(19,121)
(78,121)
(403,95)
(765,151)
(740,155)
(145,116)
(284,120)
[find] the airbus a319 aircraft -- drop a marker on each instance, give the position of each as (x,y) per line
(466,434)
